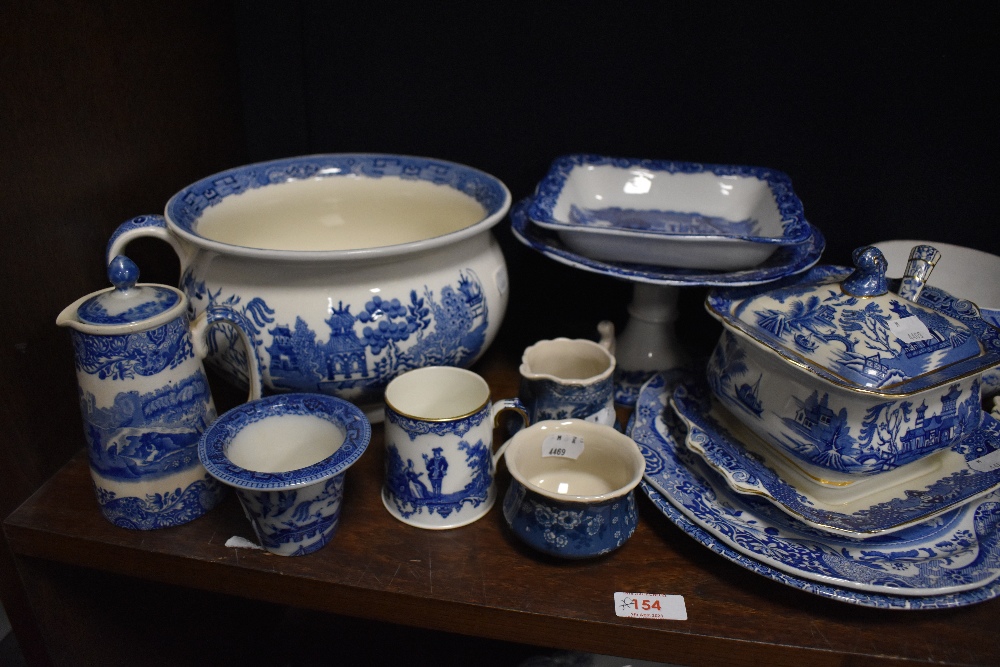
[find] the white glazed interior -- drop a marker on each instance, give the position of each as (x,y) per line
(962,272)
(437,392)
(731,197)
(564,359)
(610,465)
(343,213)
(284,189)
(281,443)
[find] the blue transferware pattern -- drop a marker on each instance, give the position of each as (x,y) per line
(547,399)
(148,435)
(186,207)
(292,512)
(920,500)
(785,261)
(295,522)
(662,222)
(160,510)
(365,345)
(411,495)
(145,402)
(818,430)
(795,229)
(947,562)
(417,427)
(628,383)
(847,340)
(345,416)
(566,529)
(845,595)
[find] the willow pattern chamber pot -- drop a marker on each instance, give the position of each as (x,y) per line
(847,378)
(351,269)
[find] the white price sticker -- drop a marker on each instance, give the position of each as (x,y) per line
(910,329)
(644,605)
(986,463)
(564,445)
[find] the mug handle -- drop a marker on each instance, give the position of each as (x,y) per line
(201,327)
(501,406)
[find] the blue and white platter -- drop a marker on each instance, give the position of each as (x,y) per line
(950,561)
(877,505)
(786,260)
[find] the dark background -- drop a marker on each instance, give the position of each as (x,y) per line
(881,113)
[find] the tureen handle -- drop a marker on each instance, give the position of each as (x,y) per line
(922,260)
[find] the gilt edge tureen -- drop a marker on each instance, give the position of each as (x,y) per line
(847,377)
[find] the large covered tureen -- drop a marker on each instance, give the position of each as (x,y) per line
(847,376)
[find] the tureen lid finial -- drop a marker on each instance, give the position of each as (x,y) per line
(868,278)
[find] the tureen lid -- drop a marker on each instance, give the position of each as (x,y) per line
(849,328)
(127,303)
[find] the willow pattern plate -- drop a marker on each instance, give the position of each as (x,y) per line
(950,561)
(877,505)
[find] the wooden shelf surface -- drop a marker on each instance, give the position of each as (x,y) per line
(480,581)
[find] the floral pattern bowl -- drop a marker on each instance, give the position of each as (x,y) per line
(572,485)
(665,213)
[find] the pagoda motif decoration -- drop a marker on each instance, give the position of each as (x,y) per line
(360,348)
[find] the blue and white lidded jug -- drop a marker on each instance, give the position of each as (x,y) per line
(145,398)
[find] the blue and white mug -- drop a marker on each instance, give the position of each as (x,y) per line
(439,462)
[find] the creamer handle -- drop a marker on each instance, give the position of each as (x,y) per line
(154,226)
(606,331)
(497,409)
(200,329)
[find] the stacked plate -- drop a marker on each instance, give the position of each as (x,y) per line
(880,490)
(922,535)
(950,560)
(675,215)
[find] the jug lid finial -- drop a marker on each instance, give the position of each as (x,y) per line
(123,273)
(128,302)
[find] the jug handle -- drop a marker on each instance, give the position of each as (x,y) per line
(496,410)
(217,313)
(154,226)
(606,331)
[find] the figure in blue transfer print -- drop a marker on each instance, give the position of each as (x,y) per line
(437,468)
(410,493)
(413,484)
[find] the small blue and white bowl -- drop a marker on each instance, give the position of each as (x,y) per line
(572,485)
(286,456)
